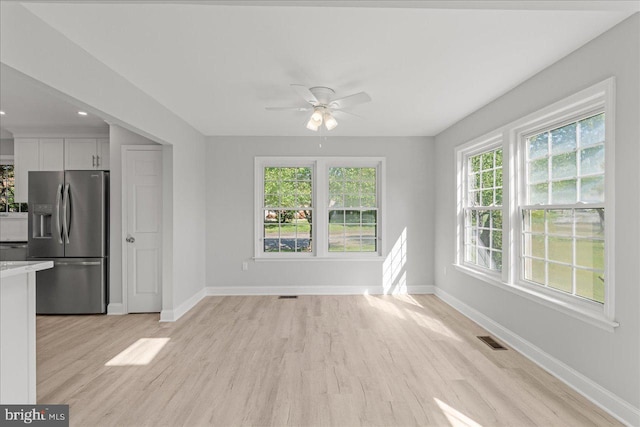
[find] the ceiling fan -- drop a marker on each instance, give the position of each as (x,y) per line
(323,106)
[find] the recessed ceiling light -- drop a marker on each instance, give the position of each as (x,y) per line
(2,113)
(82,113)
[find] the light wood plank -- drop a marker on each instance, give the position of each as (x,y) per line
(311,361)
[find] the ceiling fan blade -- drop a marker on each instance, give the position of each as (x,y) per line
(288,108)
(342,113)
(350,101)
(306,94)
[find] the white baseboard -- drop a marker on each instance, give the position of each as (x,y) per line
(614,405)
(116,308)
(310,290)
(182,309)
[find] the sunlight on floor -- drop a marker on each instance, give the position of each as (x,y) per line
(407,308)
(455,417)
(140,353)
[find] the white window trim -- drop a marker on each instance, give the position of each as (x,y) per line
(600,96)
(320,194)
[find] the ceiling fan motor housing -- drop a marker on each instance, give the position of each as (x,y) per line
(322,94)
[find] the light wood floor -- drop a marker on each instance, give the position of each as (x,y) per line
(317,360)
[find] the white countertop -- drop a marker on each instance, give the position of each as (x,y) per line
(13,268)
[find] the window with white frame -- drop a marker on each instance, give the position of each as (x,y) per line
(549,240)
(318,207)
(563,211)
(7,188)
(483,208)
(287,209)
(353,209)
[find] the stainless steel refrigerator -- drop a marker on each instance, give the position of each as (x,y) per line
(69,224)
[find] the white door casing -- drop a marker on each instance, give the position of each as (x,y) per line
(142,228)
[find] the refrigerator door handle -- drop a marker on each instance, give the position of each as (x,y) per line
(65,207)
(58,196)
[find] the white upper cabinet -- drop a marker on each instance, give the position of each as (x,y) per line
(35,154)
(51,152)
(86,153)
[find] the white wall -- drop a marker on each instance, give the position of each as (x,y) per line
(610,360)
(39,52)
(230,214)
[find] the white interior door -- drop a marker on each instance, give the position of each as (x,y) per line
(142,228)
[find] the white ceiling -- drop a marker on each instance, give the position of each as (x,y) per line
(426,64)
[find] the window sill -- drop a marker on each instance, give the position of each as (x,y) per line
(14,215)
(576,311)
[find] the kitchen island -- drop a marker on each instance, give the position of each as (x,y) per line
(18,330)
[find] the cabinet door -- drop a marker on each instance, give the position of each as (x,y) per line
(25,159)
(80,154)
(52,154)
(103,154)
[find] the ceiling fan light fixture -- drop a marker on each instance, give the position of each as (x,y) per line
(312,126)
(316,117)
(329,121)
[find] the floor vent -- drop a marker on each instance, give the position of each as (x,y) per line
(492,343)
(288,297)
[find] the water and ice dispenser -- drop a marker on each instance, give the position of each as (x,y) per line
(43,220)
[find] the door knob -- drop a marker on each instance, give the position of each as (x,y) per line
(130,239)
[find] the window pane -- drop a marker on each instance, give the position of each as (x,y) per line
(487,197)
(592,160)
(369,245)
(590,285)
(352,217)
(368,200)
(336,217)
(590,253)
(487,161)
(539,170)
(539,194)
(563,139)
(592,130)
(475,163)
(496,219)
(496,260)
(560,221)
(534,221)
(534,245)
(560,249)
(496,240)
(538,145)
(592,190)
(470,253)
(369,217)
(590,223)
(487,179)
(534,270)
(563,166)
(564,191)
(561,277)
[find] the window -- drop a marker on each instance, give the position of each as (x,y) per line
(318,207)
(7,180)
(287,210)
(353,210)
(563,218)
(483,210)
(535,206)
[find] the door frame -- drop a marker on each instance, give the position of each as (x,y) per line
(124,223)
